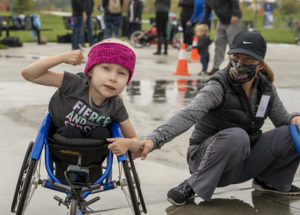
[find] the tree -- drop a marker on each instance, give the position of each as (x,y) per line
(149,6)
(288,7)
(22,6)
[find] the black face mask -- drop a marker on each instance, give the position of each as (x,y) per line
(241,73)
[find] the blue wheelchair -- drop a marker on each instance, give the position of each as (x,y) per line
(77,186)
(295,134)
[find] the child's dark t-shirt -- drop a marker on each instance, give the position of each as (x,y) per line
(70,106)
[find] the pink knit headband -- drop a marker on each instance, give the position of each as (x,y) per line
(111,52)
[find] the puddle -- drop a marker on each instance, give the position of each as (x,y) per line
(162,62)
(163,91)
(28,57)
(182,91)
(260,204)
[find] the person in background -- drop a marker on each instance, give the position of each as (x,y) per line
(227,145)
(134,15)
(112,17)
(229,24)
(186,11)
(88,25)
(162,8)
(79,17)
(198,14)
(202,32)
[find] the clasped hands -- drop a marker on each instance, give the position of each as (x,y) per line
(120,146)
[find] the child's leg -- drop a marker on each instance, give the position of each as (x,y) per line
(95,173)
(204,60)
(61,166)
(98,133)
(203,72)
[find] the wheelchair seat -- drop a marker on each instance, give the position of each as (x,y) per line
(66,151)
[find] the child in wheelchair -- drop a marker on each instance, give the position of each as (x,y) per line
(85,105)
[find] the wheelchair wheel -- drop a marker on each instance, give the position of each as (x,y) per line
(133,201)
(27,183)
(135,39)
(137,183)
(20,181)
(73,207)
(177,40)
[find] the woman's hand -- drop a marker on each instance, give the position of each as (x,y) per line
(73,57)
(296,120)
(146,147)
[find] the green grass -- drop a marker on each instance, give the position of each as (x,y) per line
(279,34)
(48,22)
(3,46)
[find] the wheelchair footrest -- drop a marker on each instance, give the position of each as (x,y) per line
(60,201)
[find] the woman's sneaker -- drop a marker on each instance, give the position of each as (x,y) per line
(261,186)
(180,194)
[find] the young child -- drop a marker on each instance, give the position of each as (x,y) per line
(85,103)
(202,31)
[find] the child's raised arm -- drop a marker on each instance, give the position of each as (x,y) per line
(39,72)
(130,141)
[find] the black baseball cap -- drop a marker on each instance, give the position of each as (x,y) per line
(249,43)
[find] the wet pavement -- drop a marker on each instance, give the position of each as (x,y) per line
(153,96)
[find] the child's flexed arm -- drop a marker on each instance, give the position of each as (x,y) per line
(39,72)
(121,145)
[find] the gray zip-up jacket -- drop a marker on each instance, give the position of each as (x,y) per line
(210,98)
(224,10)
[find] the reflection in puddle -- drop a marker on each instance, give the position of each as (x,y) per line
(262,204)
(159,91)
(181,91)
(214,207)
(161,61)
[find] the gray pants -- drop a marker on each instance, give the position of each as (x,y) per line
(227,158)
(224,36)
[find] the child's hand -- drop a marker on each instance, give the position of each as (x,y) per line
(74,57)
(119,146)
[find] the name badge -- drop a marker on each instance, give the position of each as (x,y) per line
(264,101)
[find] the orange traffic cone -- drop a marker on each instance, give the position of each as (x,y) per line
(181,85)
(182,68)
(195,56)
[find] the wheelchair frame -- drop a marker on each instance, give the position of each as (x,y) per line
(30,178)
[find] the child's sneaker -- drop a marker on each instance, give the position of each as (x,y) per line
(213,71)
(178,195)
(261,186)
(202,73)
